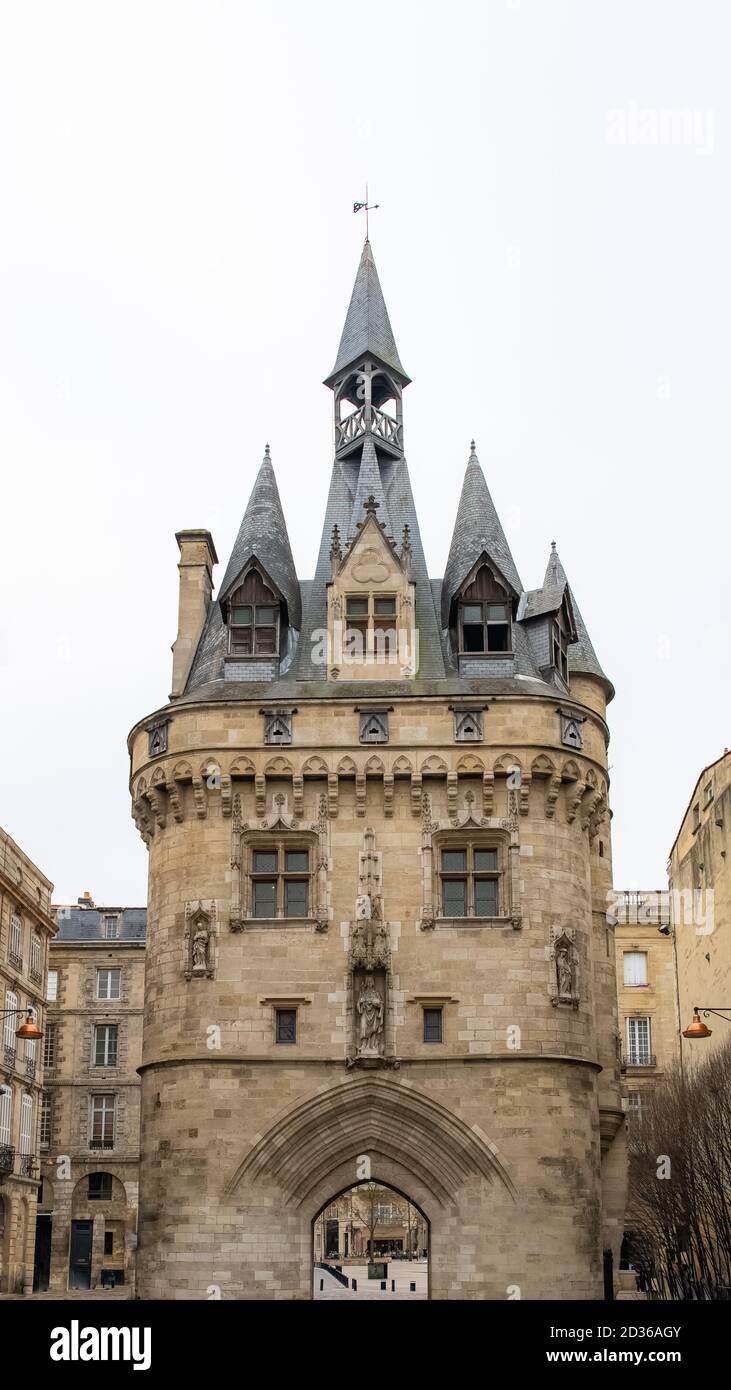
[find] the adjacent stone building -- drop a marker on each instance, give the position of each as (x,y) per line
(90,1134)
(700,896)
(26,928)
(647,990)
(370,1220)
(376,806)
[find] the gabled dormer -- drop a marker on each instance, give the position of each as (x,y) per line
(481,586)
(259,598)
(371,604)
(547,616)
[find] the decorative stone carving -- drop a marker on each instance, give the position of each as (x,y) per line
(157,737)
(371,1019)
(572,734)
(468,725)
(373,726)
(279,819)
(200,931)
(564,976)
(369,963)
(278,726)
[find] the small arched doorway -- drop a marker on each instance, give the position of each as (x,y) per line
(370,1241)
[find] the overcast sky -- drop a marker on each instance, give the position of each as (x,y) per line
(177,249)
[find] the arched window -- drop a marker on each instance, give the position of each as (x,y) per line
(253,618)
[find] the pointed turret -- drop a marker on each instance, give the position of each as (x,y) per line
(367,331)
(263,537)
(477,532)
(583,660)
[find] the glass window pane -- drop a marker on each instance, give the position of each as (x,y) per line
(496,613)
(433,1025)
(265,616)
(485,859)
(265,861)
(454,897)
(472,613)
(241,616)
(241,641)
(473,638)
(486,897)
(286,1025)
(454,860)
(297,861)
(295,897)
(498,637)
(265,898)
(357,607)
(384,607)
(266,639)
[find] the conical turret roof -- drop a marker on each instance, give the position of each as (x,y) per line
(263,534)
(477,531)
(583,660)
(367,329)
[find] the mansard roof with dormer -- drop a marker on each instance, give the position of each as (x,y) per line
(371,467)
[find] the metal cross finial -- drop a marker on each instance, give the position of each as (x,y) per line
(472,445)
(365,207)
(553,547)
(371,505)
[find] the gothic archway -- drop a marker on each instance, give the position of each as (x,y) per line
(370,1241)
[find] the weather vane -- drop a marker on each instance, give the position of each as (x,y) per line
(365,207)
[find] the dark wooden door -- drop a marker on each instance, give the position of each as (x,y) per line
(80,1256)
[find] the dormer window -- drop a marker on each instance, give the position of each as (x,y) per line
(483,616)
(253,619)
(485,627)
(560,647)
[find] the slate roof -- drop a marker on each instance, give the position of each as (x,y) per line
(263,533)
(583,660)
(477,531)
(367,329)
(87,923)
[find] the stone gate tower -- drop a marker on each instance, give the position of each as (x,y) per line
(377,819)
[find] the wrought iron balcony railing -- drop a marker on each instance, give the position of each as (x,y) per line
(30,1067)
(26,1165)
(15,961)
(639,1059)
(9,1057)
(101,1143)
(7,1158)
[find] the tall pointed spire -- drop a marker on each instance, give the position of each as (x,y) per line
(367,330)
(583,660)
(263,535)
(477,531)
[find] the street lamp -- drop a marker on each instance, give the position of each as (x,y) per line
(27,1030)
(697,1028)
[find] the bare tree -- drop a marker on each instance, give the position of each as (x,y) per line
(680,1182)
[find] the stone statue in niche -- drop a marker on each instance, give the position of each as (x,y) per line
(200,929)
(564,967)
(370,1012)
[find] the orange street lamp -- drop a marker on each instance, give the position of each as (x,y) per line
(697,1028)
(27,1030)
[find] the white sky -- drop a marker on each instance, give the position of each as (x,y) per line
(177,250)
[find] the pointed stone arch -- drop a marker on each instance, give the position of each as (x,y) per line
(399,1127)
